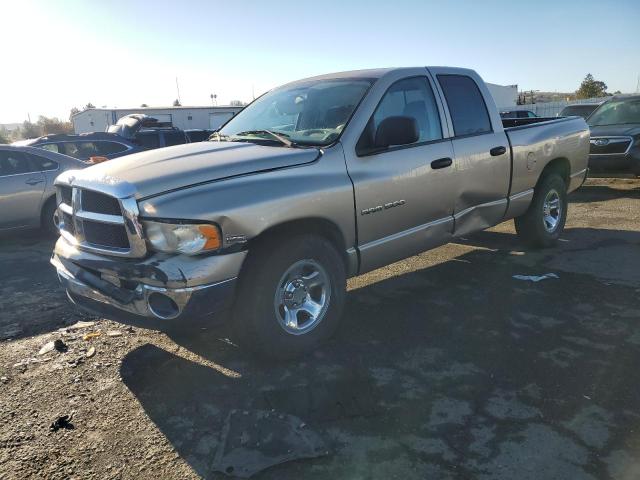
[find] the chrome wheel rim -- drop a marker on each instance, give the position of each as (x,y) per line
(552,211)
(55,219)
(302,297)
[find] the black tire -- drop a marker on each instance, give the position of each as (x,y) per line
(47,222)
(532,228)
(257,323)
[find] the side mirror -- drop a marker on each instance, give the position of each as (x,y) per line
(396,131)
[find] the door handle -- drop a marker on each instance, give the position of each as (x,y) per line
(441,163)
(33,181)
(497,151)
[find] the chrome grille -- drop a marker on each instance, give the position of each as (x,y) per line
(101,223)
(105,235)
(609,145)
(100,203)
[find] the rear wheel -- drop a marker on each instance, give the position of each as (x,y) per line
(543,223)
(49,217)
(290,296)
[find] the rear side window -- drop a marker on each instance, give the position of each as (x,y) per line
(148,140)
(13,163)
(467,108)
(43,164)
(109,148)
(52,147)
(174,138)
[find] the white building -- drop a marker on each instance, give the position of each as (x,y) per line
(98,119)
(504,95)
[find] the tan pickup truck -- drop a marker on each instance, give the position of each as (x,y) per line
(314,182)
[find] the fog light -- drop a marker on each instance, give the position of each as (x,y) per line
(163,306)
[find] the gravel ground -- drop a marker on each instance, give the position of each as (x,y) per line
(445,367)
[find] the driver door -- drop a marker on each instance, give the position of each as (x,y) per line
(404,195)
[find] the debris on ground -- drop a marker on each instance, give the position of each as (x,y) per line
(60,346)
(81,324)
(252,441)
(63,421)
(114,333)
(535,278)
(46,348)
(89,336)
(91,352)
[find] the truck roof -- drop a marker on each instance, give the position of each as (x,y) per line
(374,73)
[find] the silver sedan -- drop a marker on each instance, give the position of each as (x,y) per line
(27,194)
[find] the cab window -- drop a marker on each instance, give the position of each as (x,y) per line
(411,97)
(468,111)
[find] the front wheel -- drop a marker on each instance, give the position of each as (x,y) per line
(290,296)
(49,218)
(543,222)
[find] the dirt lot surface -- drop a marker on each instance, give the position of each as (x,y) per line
(445,367)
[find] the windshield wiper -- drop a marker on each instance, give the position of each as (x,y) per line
(281,137)
(217,137)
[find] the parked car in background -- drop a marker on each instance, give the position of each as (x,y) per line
(131,134)
(85,145)
(148,132)
(315,181)
(579,109)
(27,193)
(198,135)
(518,114)
(615,136)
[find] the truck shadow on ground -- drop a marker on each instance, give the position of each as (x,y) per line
(452,371)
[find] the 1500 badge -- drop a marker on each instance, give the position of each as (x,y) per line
(379,208)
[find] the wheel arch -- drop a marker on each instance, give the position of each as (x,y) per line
(319,226)
(560,166)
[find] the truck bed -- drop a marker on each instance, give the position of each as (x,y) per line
(511,123)
(536,141)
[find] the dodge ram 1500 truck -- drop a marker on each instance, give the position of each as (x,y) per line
(314,182)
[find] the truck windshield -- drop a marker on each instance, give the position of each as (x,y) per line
(308,113)
(616,112)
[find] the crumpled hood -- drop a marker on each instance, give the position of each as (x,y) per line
(157,171)
(615,130)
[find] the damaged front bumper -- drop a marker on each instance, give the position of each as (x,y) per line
(151,292)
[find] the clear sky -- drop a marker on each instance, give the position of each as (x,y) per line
(59,54)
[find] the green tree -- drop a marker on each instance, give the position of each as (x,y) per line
(143,105)
(30,130)
(4,135)
(89,105)
(74,110)
(53,125)
(590,88)
(176,103)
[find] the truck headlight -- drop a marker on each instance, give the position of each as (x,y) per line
(182,237)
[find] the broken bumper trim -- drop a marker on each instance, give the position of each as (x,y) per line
(150,305)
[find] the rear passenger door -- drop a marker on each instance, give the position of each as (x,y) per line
(21,190)
(403,194)
(483,158)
